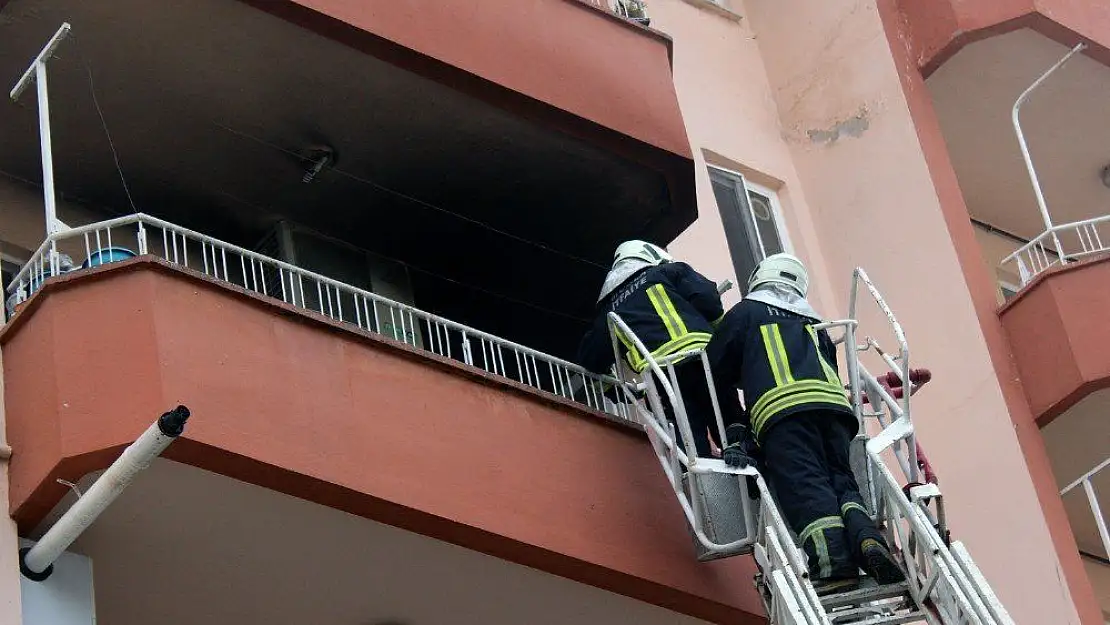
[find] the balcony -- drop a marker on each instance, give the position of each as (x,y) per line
(395,127)
(1077,444)
(1058,336)
(1049,281)
(340,397)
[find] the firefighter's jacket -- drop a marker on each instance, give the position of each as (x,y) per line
(670,307)
(779,361)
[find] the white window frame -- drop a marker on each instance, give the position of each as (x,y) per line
(776,208)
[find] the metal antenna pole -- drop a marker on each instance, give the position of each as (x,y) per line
(37,73)
(1015,116)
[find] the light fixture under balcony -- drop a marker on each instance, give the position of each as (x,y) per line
(318,157)
(1105,175)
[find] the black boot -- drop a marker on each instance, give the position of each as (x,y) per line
(880,564)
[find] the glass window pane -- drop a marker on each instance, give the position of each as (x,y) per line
(764,216)
(736,219)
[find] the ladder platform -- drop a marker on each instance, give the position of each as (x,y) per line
(892,619)
(869,592)
(732,511)
(871,605)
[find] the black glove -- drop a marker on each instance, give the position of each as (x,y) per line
(735,457)
(736,453)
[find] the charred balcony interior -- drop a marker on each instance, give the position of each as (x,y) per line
(475,203)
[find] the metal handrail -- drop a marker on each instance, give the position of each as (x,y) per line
(1015,118)
(1092,500)
(1033,258)
(899,364)
(566,378)
(941,573)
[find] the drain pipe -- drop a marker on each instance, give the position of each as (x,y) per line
(37,562)
(1015,116)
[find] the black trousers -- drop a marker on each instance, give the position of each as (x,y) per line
(699,407)
(806,465)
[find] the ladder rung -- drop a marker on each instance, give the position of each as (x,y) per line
(865,595)
(894,619)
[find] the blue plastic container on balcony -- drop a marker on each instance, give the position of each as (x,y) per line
(107,255)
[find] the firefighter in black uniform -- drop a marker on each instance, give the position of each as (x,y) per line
(671,308)
(801,420)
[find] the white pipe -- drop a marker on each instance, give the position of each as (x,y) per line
(44,54)
(36,563)
(47,152)
(1015,116)
(37,70)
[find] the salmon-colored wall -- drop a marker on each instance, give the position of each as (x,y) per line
(1059,337)
(292,403)
(853,133)
(937,29)
(732,121)
(1071,596)
(821,111)
(11,609)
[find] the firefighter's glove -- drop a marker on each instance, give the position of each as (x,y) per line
(734,456)
(736,453)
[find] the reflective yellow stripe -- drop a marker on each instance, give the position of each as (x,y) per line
(823,523)
(776,354)
(851,505)
(717,322)
(664,307)
(782,354)
(630,353)
(692,340)
(830,373)
(816,532)
(776,393)
(810,397)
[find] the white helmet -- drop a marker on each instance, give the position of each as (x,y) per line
(783,269)
(642,250)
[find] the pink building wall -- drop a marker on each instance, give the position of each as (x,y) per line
(818,105)
(10,609)
(751,91)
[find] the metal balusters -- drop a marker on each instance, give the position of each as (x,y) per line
(407,324)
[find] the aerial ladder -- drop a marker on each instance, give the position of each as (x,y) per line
(731,511)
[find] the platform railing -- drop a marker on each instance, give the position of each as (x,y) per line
(140,234)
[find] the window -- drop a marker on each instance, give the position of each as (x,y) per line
(752,221)
(9,269)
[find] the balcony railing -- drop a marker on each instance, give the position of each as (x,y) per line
(1086,483)
(634,10)
(107,241)
(1058,246)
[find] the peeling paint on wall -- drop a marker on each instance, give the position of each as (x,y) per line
(854,126)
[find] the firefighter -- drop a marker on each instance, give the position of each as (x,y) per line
(671,308)
(801,421)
